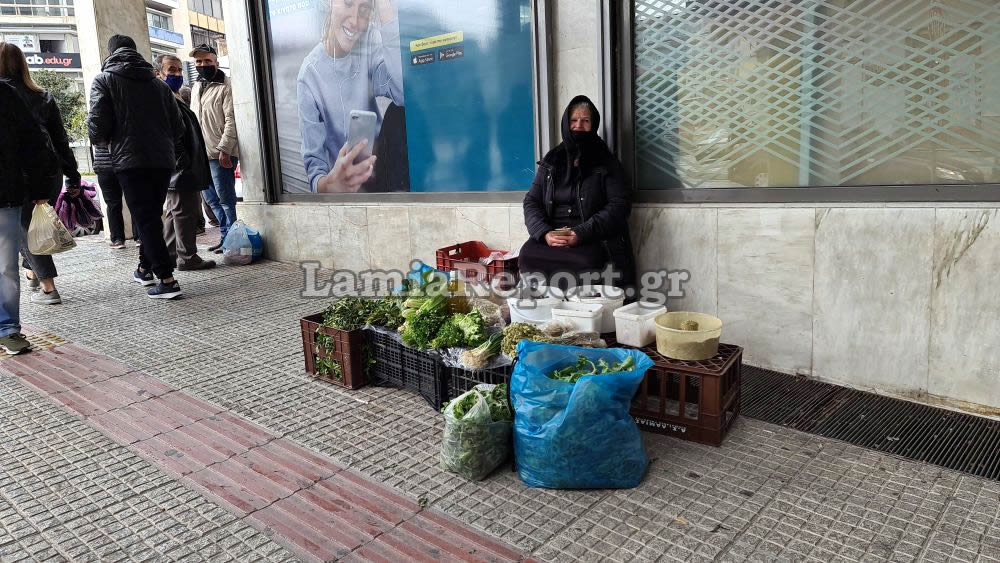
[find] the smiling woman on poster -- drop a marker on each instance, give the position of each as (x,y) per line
(357,60)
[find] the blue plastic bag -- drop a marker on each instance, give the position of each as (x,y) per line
(242,245)
(576,436)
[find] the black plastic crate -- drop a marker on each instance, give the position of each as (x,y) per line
(461,380)
(396,365)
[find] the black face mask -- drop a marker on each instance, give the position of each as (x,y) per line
(207,72)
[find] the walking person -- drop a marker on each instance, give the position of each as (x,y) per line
(184,193)
(212,102)
(41,270)
(136,117)
(26,159)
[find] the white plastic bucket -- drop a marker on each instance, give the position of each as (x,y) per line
(635,323)
(609,297)
(585,317)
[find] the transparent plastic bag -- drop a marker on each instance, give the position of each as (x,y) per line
(576,435)
(474,445)
(242,245)
(46,233)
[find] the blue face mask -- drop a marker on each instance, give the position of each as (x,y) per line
(175,82)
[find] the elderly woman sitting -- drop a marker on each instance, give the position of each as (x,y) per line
(578,207)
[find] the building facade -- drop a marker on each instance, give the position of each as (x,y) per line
(47,33)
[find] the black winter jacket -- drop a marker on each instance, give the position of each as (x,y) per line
(135,115)
(197,175)
(601,190)
(27,159)
(46,112)
(102,159)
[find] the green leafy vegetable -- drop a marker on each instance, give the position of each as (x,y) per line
(477,426)
(422,326)
(473,327)
(450,335)
(480,356)
(518,332)
(348,313)
(584,367)
(386,313)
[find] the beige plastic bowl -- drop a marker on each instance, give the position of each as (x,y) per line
(678,344)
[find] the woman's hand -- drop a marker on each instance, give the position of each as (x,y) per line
(346,176)
(566,239)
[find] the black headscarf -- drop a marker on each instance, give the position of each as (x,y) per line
(586,146)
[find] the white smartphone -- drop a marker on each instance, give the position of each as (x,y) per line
(362,127)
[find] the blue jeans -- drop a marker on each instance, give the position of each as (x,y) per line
(222,199)
(11,239)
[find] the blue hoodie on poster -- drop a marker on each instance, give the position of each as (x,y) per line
(329,88)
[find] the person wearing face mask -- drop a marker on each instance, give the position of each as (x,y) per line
(357,60)
(183,199)
(212,102)
(578,206)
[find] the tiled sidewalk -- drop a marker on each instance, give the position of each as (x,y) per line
(766,494)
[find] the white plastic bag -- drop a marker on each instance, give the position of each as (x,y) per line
(242,245)
(474,445)
(46,233)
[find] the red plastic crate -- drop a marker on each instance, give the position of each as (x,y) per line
(691,400)
(464,258)
(345,349)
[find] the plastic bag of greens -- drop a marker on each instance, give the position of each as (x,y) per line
(476,432)
(577,435)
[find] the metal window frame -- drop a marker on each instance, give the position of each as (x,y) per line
(623,72)
(267,121)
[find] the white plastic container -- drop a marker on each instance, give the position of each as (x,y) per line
(585,317)
(635,323)
(534,306)
(609,297)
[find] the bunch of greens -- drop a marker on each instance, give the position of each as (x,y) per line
(518,332)
(479,357)
(348,313)
(423,324)
(473,327)
(477,431)
(386,313)
(585,367)
(450,335)
(325,364)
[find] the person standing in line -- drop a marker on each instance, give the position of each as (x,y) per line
(136,116)
(212,102)
(26,161)
(111,191)
(183,196)
(41,270)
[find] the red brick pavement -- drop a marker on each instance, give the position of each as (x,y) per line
(317,508)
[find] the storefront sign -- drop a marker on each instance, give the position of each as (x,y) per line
(165,35)
(451,90)
(53,60)
(25,42)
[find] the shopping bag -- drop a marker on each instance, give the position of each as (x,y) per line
(478,442)
(242,245)
(46,233)
(576,435)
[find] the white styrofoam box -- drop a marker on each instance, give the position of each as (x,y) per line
(609,297)
(635,324)
(585,317)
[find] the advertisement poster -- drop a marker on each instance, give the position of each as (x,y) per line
(444,89)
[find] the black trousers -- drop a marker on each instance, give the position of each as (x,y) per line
(111,191)
(562,265)
(145,191)
(42,266)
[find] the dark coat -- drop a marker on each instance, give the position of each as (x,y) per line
(197,175)
(102,159)
(43,107)
(600,188)
(135,115)
(27,160)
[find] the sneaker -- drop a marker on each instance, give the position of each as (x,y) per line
(118,244)
(199,265)
(165,291)
(33,283)
(14,344)
(215,247)
(144,278)
(50,298)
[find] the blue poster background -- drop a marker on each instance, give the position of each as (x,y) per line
(469,119)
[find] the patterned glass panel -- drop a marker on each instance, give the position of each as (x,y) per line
(816,92)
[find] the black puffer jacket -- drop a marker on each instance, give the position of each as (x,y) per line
(46,112)
(135,115)
(599,187)
(197,175)
(26,155)
(102,159)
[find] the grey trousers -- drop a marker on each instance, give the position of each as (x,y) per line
(182,211)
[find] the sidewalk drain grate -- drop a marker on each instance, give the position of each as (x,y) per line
(953,440)
(39,341)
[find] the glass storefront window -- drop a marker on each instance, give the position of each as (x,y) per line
(816,92)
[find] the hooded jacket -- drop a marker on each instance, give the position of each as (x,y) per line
(26,155)
(598,186)
(212,102)
(43,107)
(135,115)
